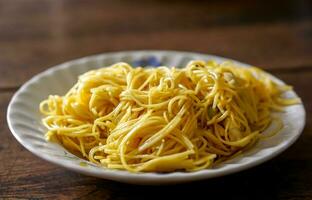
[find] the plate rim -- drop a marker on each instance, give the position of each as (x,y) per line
(146,177)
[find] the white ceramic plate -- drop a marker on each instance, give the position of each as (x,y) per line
(24,120)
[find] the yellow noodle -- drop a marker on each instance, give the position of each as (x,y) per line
(165,119)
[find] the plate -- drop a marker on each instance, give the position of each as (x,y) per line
(24,119)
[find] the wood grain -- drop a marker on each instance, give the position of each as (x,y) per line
(40,34)
(37,34)
(22,175)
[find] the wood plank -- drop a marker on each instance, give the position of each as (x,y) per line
(159,14)
(40,34)
(301,82)
(22,175)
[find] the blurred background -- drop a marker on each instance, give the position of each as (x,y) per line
(37,34)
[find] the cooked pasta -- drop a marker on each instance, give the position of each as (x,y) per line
(164,119)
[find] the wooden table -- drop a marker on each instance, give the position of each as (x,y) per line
(37,34)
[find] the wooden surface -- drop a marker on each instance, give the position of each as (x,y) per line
(37,34)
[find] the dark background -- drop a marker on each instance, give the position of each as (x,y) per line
(37,34)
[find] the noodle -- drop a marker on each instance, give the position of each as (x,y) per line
(164,119)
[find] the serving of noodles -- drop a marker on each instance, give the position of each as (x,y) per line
(165,119)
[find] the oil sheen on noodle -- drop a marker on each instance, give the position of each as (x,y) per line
(164,119)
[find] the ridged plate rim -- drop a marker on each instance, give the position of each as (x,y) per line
(16,121)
